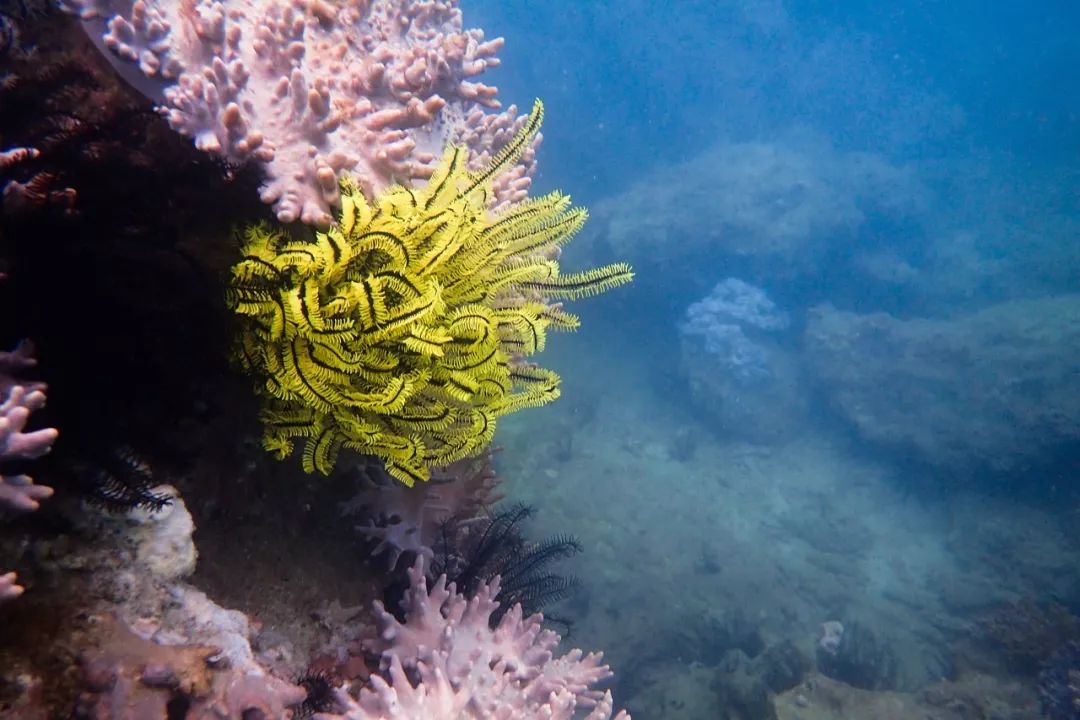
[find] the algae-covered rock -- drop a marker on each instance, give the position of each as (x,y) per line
(998,389)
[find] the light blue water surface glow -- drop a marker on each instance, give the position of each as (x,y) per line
(896,185)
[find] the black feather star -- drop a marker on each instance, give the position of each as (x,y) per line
(320,695)
(472,553)
(121,482)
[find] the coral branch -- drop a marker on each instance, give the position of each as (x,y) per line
(9,587)
(14,412)
(468,670)
(18,493)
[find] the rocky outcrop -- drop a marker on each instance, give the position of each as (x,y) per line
(998,389)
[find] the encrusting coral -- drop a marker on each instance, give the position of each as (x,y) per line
(401,331)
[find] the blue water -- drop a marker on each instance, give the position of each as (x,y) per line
(900,182)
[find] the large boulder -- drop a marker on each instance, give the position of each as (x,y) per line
(789,201)
(998,389)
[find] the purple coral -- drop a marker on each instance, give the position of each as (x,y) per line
(402,520)
(466,669)
(18,493)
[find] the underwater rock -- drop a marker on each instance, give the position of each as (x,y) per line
(740,686)
(111,630)
(996,389)
(974,696)
(721,631)
(747,686)
(743,689)
(672,689)
(1027,634)
(163,537)
(860,660)
(788,200)
(1059,684)
(738,372)
(782,666)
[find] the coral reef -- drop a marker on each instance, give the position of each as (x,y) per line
(312,90)
(721,320)
(738,371)
(467,669)
(996,389)
(113,222)
(400,333)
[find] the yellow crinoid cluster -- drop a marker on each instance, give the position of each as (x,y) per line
(401,332)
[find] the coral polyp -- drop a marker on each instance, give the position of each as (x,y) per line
(402,331)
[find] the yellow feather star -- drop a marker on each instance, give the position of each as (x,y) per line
(401,331)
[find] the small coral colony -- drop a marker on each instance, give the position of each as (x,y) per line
(387,316)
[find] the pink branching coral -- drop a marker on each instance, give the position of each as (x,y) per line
(18,493)
(468,670)
(313,88)
(402,520)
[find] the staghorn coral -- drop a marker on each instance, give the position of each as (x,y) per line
(466,669)
(311,89)
(400,332)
